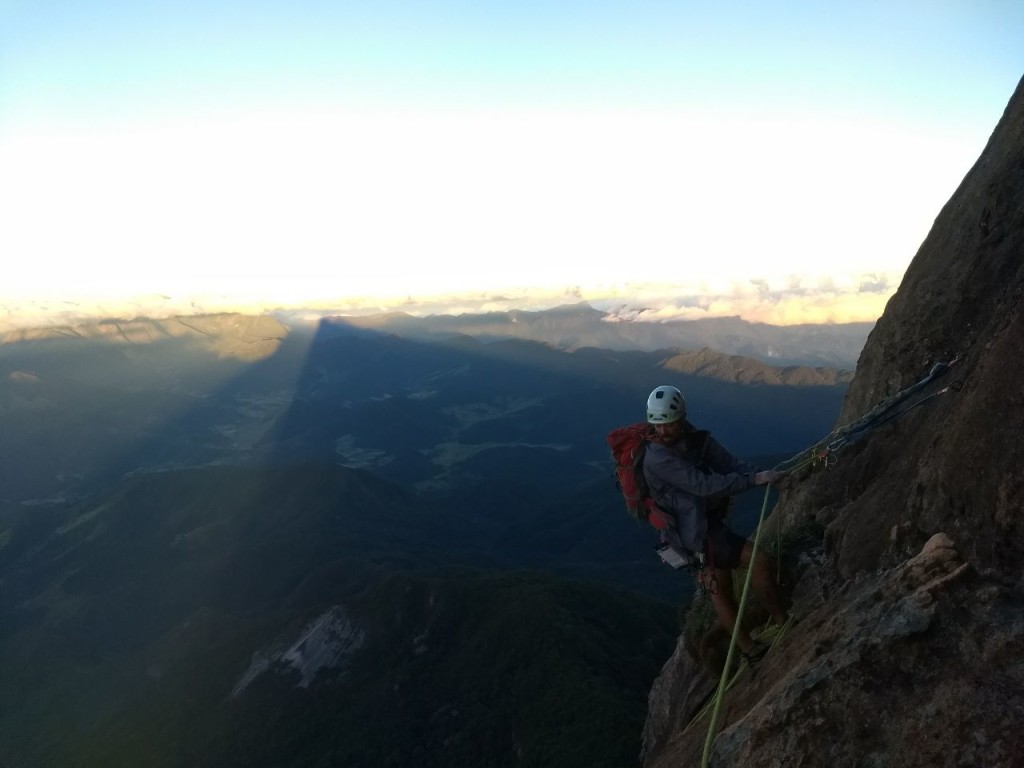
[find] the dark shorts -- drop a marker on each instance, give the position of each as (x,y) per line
(724,547)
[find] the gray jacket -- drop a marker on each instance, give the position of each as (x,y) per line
(684,477)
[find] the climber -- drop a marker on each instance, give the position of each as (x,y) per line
(693,477)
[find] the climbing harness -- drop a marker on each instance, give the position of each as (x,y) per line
(823,454)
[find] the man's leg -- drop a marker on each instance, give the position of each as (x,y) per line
(724,603)
(762,579)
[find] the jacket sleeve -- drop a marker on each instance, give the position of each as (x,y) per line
(721,461)
(666,470)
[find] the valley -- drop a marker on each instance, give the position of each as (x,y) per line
(416,536)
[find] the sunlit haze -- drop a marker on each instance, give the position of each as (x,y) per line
(779,162)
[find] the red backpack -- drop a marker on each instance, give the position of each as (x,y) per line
(628,446)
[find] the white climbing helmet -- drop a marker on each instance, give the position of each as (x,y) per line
(665,405)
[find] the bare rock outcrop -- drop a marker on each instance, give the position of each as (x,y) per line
(675,698)
(326,643)
(882,674)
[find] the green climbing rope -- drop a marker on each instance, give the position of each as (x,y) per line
(723,681)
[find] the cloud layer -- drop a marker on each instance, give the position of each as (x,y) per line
(785,301)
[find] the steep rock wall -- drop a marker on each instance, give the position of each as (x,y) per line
(909,650)
(957,464)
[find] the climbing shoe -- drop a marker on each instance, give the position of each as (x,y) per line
(756,653)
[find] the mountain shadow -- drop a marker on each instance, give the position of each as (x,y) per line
(204,555)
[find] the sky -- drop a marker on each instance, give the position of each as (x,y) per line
(779,161)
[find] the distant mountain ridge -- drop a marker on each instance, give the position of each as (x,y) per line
(574,326)
(744,370)
(246,337)
(568,327)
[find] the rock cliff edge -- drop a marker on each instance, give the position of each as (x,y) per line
(909,646)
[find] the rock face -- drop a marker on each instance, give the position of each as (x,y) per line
(325,644)
(909,645)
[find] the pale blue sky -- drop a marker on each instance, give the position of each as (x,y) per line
(767,158)
(921,59)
